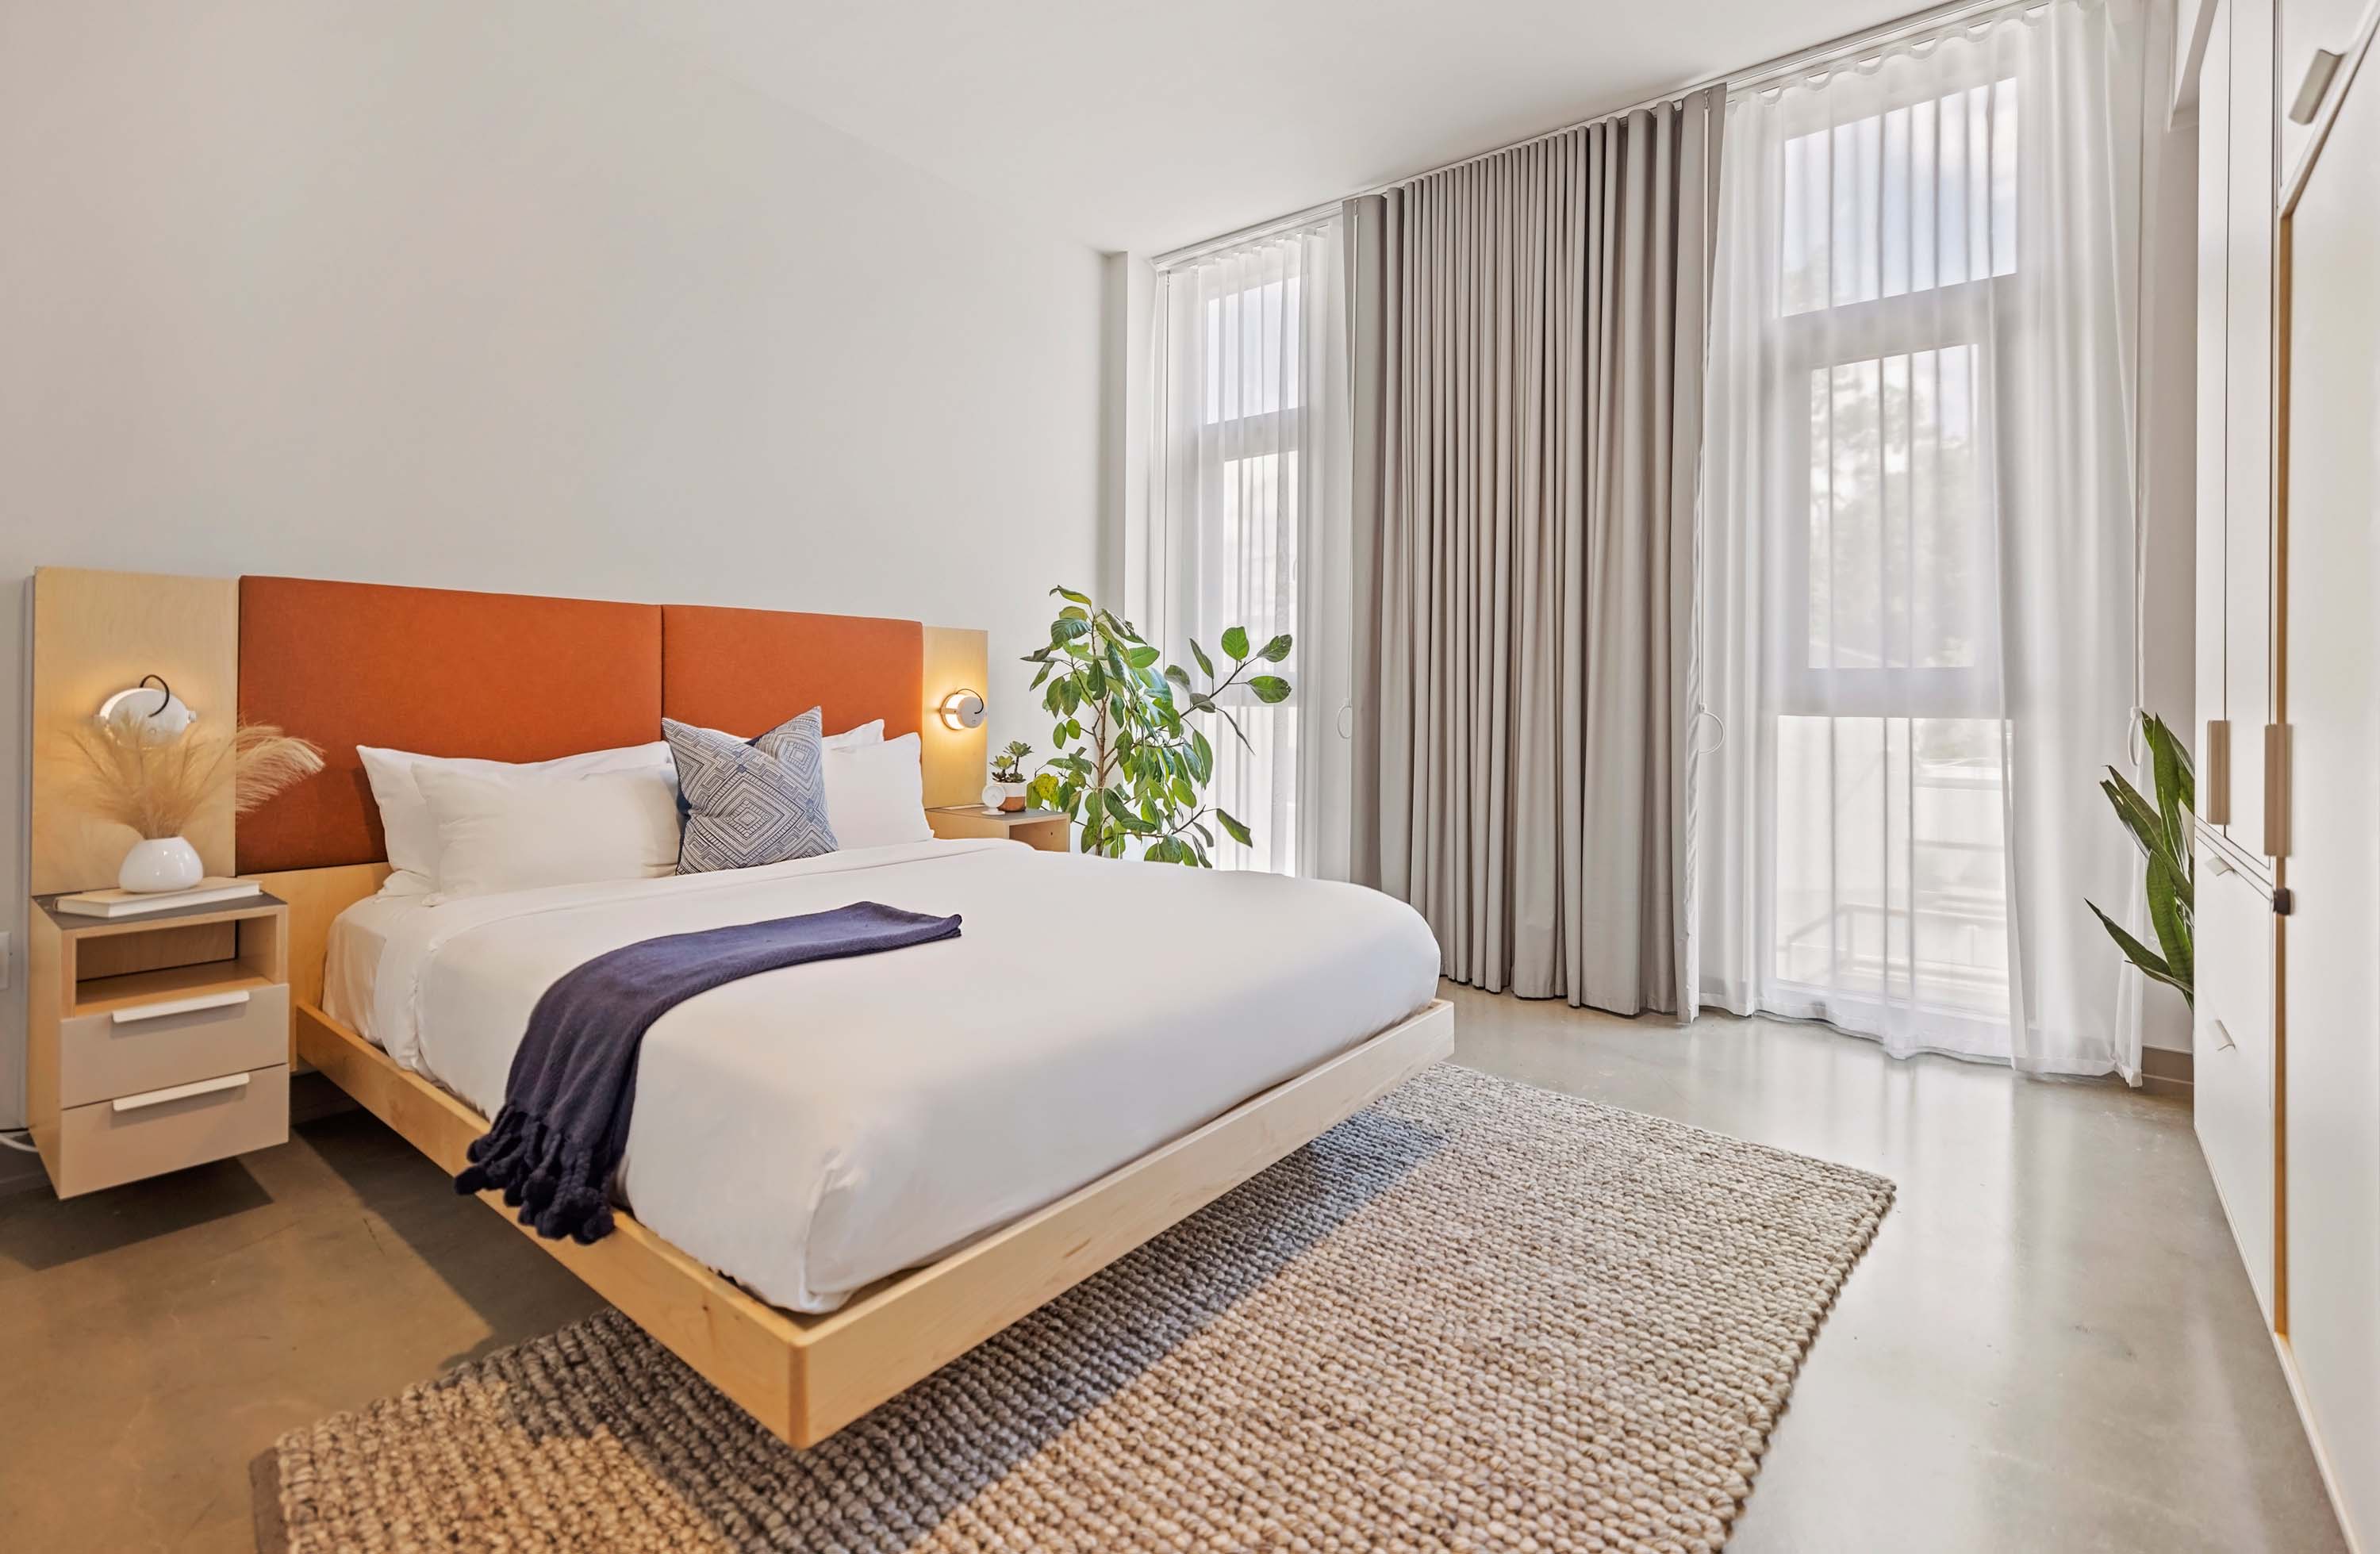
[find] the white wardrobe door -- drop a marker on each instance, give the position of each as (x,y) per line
(2331,685)
(2248,476)
(2214,344)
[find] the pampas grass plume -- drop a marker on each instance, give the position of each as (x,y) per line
(156,785)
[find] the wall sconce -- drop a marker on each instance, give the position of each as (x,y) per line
(149,710)
(963,709)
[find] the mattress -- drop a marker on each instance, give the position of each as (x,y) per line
(811,1130)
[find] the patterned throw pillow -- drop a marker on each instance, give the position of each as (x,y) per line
(749,803)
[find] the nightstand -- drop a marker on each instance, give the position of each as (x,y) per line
(159,1042)
(1046,829)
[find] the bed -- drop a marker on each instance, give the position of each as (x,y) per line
(808,1131)
(841,1176)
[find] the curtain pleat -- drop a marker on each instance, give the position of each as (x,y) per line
(1526,340)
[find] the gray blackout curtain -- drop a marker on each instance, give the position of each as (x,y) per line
(1527,350)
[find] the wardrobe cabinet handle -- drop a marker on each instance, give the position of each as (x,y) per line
(2215,782)
(2311,90)
(2223,1041)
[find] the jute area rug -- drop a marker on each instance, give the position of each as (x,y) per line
(1477,1315)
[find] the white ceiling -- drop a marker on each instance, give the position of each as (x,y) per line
(1134,125)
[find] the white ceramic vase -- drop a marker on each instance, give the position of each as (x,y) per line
(161,863)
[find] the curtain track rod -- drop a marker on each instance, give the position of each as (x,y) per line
(1750,78)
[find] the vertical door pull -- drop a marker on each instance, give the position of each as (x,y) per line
(2276,790)
(2319,70)
(2214,793)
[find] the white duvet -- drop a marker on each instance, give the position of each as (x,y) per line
(810,1131)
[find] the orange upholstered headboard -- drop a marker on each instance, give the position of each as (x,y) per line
(747,671)
(524,677)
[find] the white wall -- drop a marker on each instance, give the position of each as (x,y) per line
(509,296)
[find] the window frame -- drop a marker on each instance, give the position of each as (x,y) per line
(1981,314)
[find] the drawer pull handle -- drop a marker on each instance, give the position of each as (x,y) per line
(191,1005)
(2223,1037)
(180,1092)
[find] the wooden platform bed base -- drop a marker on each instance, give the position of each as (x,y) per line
(806,1376)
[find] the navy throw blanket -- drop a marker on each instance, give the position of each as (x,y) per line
(564,1123)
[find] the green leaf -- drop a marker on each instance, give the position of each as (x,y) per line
(2140,954)
(1269,688)
(2138,817)
(1276,649)
(2176,782)
(2167,915)
(1202,757)
(1069,593)
(1178,674)
(1065,628)
(1233,827)
(1205,663)
(1042,792)
(1235,642)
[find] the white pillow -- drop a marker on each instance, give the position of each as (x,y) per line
(404,817)
(876,794)
(869,733)
(520,833)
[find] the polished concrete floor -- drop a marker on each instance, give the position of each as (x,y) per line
(2050,1346)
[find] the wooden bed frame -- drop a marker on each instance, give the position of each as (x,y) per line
(805,1377)
(294,648)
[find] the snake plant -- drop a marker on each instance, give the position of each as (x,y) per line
(2161,830)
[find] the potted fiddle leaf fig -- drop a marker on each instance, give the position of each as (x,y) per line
(1132,758)
(2161,830)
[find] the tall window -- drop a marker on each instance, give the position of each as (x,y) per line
(1250,514)
(1918,643)
(1896,229)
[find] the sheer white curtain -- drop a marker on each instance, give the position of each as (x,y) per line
(1918,645)
(1250,474)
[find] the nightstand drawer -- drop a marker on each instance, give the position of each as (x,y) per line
(128,1137)
(169,1042)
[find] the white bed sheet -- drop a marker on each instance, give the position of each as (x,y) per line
(810,1130)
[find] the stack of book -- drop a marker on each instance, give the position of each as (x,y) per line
(214,890)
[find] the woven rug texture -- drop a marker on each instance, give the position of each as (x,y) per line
(1476,1316)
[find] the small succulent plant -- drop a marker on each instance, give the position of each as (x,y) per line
(1008,766)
